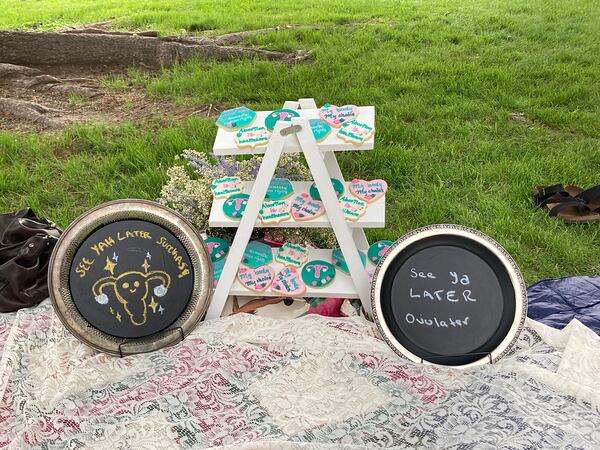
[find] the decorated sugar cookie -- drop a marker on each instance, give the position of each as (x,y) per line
(217,270)
(369,191)
(279,114)
(320,129)
(304,207)
(252,137)
(377,250)
(235,205)
(338,187)
(288,283)
(338,260)
(371,274)
(336,116)
(236,118)
(226,186)
(274,211)
(280,188)
(318,273)
(257,254)
(257,280)
(352,208)
(292,255)
(217,248)
(356,132)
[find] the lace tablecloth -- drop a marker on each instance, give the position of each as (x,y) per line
(303,383)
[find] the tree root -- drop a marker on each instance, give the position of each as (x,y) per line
(29,111)
(30,78)
(240,36)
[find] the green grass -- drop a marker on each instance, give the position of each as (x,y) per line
(444,76)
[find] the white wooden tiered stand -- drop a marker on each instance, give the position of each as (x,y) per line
(297,136)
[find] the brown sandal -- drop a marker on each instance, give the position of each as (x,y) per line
(571,204)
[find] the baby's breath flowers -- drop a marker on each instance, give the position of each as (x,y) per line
(188,191)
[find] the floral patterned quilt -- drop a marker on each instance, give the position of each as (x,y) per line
(312,382)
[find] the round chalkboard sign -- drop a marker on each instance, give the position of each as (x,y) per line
(448,295)
(130,276)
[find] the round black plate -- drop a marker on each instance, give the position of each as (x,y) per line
(448,295)
(130,276)
(139,280)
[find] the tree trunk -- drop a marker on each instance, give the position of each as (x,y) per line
(92,50)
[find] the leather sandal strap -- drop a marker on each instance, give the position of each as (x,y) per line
(550,192)
(590,195)
(570,203)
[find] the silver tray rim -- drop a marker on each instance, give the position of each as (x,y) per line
(105,213)
(509,263)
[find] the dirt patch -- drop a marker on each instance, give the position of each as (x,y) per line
(131,104)
(520,117)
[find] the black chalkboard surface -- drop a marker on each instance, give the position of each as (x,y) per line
(448,295)
(131,278)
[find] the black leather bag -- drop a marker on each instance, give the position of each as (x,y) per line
(26,243)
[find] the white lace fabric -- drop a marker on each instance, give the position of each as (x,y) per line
(311,382)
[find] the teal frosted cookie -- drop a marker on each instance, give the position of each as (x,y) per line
(217,248)
(235,205)
(320,129)
(279,188)
(236,118)
(318,273)
(377,250)
(337,257)
(257,254)
(338,187)
(279,114)
(217,267)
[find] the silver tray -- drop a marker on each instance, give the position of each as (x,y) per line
(105,315)
(429,327)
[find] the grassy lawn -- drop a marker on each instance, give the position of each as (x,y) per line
(477,101)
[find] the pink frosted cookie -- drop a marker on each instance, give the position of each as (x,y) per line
(336,116)
(257,280)
(369,191)
(288,283)
(304,207)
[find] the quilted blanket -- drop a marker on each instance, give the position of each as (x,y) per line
(556,302)
(311,382)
